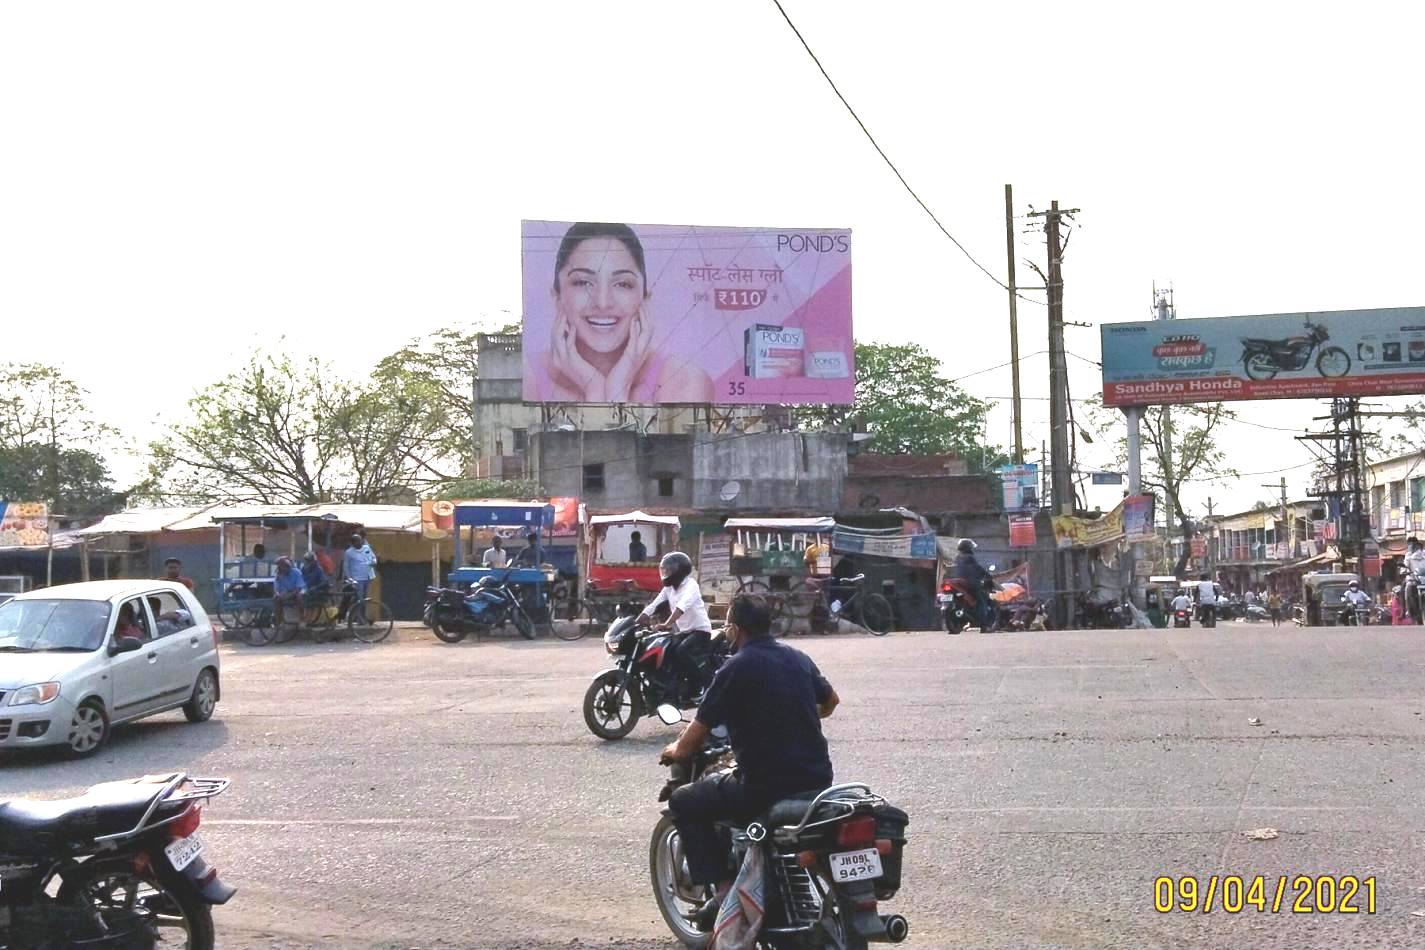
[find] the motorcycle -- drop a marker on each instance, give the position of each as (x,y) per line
(958,605)
(1263,359)
(1207,614)
(1100,614)
(828,860)
(1182,617)
(119,868)
(451,613)
(642,678)
(1355,616)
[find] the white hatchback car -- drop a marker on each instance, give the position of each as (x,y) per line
(78,659)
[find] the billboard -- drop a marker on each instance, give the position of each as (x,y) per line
(1274,356)
(649,314)
(1020,484)
(24,524)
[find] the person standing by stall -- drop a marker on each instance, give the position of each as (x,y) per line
(358,564)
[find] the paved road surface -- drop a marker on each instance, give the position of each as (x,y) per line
(416,794)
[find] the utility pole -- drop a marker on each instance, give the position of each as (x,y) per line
(1061,476)
(1013,325)
(1286,522)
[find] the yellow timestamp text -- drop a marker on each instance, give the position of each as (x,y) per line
(1284,894)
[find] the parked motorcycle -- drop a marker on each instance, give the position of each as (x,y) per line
(1263,359)
(119,868)
(452,614)
(1100,614)
(828,860)
(642,678)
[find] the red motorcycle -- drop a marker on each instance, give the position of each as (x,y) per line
(959,607)
(642,678)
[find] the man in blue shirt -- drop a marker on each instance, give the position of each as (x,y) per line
(772,699)
(358,563)
(287,588)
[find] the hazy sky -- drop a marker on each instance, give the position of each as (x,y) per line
(184,182)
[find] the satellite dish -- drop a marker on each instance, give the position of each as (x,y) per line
(730,491)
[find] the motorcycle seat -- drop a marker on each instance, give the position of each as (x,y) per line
(789,811)
(107,809)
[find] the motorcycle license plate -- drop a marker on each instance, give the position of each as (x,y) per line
(855,865)
(184,851)
(943,599)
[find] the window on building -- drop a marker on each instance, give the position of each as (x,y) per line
(594,477)
(1397,494)
(665,486)
(1417,494)
(520,439)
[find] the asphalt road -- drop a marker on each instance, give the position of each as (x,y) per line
(415,794)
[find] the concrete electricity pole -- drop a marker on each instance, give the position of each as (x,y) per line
(1061,480)
(1013,325)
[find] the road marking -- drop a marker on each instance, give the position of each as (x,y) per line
(358,821)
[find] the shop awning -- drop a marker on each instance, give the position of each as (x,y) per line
(805,525)
(636,517)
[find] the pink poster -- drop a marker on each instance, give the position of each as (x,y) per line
(647,314)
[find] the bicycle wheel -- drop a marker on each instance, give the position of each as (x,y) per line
(801,599)
(577,626)
(876,614)
(284,632)
(261,632)
(370,621)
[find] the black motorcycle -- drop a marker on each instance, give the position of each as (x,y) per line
(1263,359)
(119,868)
(828,859)
(642,678)
(452,613)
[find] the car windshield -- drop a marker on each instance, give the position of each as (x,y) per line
(34,626)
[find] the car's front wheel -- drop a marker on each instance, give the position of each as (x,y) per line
(204,700)
(88,729)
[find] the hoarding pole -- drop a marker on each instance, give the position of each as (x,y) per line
(1013,325)
(1134,415)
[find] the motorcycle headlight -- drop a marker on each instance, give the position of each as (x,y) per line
(36,695)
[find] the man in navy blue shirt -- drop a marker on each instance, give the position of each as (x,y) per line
(772,699)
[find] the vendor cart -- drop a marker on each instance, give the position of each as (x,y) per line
(613,582)
(475,522)
(769,557)
(244,584)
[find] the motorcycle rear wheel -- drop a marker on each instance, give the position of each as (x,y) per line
(523,623)
(954,621)
(672,891)
(445,633)
(611,709)
(113,884)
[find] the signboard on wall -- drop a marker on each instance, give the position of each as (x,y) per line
(24,524)
(1021,486)
(1021,532)
(1132,519)
(651,314)
(1272,356)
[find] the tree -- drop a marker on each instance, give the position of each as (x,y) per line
(907,406)
(48,442)
(448,362)
(517,488)
(279,432)
(1192,433)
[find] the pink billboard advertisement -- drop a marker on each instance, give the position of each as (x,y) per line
(648,314)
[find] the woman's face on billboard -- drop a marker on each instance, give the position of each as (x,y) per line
(600,293)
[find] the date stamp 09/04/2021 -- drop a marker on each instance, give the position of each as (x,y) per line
(1260,894)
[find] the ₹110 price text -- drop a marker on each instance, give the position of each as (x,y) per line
(1283,894)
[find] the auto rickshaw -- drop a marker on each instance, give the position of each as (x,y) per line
(1324,598)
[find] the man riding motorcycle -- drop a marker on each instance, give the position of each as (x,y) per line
(969,570)
(689,616)
(1414,577)
(771,698)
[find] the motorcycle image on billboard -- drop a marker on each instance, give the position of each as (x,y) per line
(1276,356)
(659,314)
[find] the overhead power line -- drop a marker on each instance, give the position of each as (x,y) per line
(887,159)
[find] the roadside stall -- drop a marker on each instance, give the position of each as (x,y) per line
(769,557)
(612,578)
(475,524)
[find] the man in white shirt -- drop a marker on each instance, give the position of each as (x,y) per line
(688,616)
(1355,596)
(1207,591)
(1182,601)
(495,555)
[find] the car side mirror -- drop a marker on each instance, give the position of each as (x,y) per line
(669,714)
(125,645)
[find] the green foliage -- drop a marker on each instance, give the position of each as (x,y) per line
(48,442)
(521,489)
(908,406)
(278,432)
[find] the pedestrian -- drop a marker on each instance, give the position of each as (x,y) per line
(358,564)
(496,556)
(173,571)
(1274,607)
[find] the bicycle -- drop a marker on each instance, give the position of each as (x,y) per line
(368,619)
(867,608)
